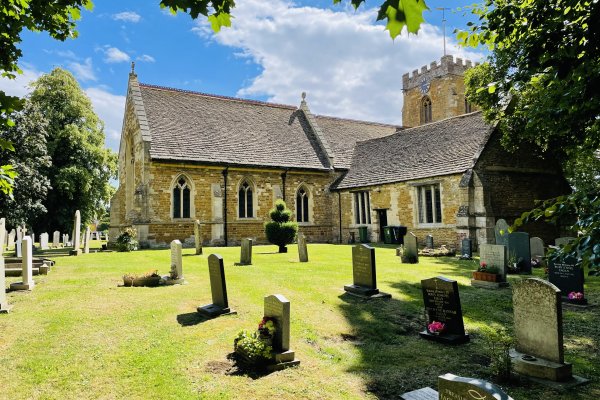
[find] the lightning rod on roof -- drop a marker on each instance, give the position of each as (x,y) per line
(443,24)
(133,67)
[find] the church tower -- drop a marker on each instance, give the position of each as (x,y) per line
(435,93)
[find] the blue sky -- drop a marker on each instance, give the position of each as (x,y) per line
(275,50)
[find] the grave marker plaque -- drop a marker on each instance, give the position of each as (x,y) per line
(442,304)
(218,288)
(302,249)
(518,247)
(452,387)
(278,307)
(197,237)
(364,273)
(568,276)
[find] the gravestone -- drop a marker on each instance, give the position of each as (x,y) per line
(44,241)
(501,232)
(538,325)
(494,255)
(32,238)
(88,237)
(568,276)
(218,288)
(411,249)
(302,249)
(19,233)
(536,246)
(4,306)
(442,304)
(76,234)
(452,387)
(27,265)
(518,247)
(466,251)
(278,308)
(245,252)
(561,241)
(2,234)
(176,274)
(56,239)
(197,237)
(364,274)
(11,239)
(429,241)
(19,248)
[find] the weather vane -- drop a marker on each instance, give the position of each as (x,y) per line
(443,24)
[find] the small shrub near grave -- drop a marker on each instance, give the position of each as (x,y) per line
(150,278)
(255,349)
(126,240)
(498,346)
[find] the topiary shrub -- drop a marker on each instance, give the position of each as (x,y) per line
(280,230)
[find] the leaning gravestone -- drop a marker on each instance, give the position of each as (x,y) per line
(538,325)
(27,265)
(56,239)
(442,304)
(88,237)
(197,237)
(302,249)
(76,234)
(218,288)
(278,308)
(568,276)
(518,247)
(411,249)
(501,232)
(176,274)
(466,250)
(245,252)
(494,255)
(364,274)
(429,241)
(536,246)
(4,306)
(44,241)
(561,241)
(19,248)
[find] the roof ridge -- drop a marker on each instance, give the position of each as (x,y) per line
(358,120)
(408,129)
(220,97)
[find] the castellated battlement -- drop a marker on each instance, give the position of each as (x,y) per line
(447,66)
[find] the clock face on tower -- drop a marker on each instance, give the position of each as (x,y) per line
(424,86)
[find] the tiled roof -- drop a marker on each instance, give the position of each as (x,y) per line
(445,147)
(342,135)
(197,127)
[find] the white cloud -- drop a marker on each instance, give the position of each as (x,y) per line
(146,58)
(114,55)
(83,71)
(20,85)
(127,16)
(348,65)
(109,108)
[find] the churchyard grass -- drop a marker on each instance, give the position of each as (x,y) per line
(79,336)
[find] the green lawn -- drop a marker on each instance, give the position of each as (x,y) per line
(78,335)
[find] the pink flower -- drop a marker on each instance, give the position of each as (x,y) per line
(436,326)
(483,264)
(575,296)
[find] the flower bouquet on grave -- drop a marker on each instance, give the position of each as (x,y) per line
(486,273)
(436,328)
(255,349)
(513,265)
(577,296)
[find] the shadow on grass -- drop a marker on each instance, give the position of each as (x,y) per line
(191,319)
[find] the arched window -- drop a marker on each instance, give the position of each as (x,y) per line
(181,198)
(425,110)
(245,201)
(302,205)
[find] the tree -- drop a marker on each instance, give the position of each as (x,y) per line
(540,86)
(30,160)
(280,230)
(81,166)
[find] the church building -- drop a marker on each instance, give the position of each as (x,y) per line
(187,156)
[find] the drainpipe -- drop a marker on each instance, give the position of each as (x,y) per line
(225,205)
(283,176)
(340,214)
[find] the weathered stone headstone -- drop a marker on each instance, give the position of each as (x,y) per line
(246,252)
(278,308)
(411,249)
(364,273)
(466,250)
(501,232)
(32,238)
(11,239)
(88,237)
(518,247)
(218,288)
(538,325)
(452,387)
(76,234)
(27,265)
(429,241)
(561,241)
(44,241)
(302,249)
(568,276)
(2,234)
(536,246)
(442,304)
(19,248)
(19,233)
(4,306)
(176,274)
(198,237)
(56,239)
(494,255)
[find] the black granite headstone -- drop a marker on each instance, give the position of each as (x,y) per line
(364,273)
(518,247)
(568,276)
(218,289)
(442,304)
(452,387)
(467,248)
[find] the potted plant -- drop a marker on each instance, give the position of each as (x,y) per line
(436,327)
(150,278)
(486,273)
